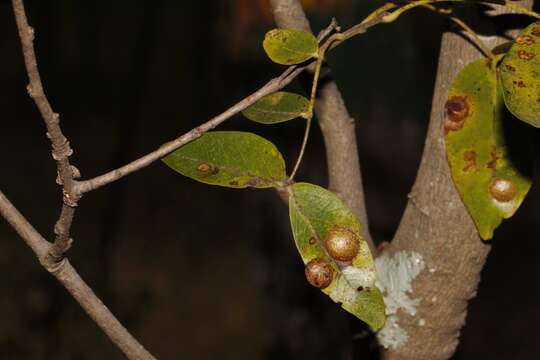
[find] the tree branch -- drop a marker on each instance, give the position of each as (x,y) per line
(61,149)
(437,226)
(273,85)
(70,279)
(337,126)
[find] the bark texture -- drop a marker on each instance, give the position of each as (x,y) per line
(437,226)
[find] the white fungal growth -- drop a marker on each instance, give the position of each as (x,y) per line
(395,275)
(391,335)
(359,277)
(343,292)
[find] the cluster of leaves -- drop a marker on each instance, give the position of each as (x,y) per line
(337,259)
(491,172)
(326,232)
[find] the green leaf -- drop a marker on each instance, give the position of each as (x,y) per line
(520,76)
(278,107)
(490,181)
(230,158)
(327,235)
(290,46)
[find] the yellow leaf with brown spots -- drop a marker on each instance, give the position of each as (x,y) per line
(520,76)
(490,170)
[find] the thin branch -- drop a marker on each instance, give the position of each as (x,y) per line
(312,97)
(70,279)
(337,126)
(61,149)
(273,85)
(26,231)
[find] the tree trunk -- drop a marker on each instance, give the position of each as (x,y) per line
(436,226)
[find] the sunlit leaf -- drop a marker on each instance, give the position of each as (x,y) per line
(520,76)
(337,259)
(290,46)
(484,167)
(230,158)
(278,107)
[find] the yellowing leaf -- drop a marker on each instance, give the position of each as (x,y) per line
(230,158)
(338,260)
(290,46)
(520,76)
(278,107)
(488,179)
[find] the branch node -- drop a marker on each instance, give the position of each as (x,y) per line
(76,173)
(53,263)
(55,118)
(61,151)
(31,33)
(30,91)
(70,200)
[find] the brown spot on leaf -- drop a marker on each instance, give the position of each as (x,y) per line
(312,241)
(342,244)
(207,169)
(503,190)
(319,273)
(253,182)
(492,164)
(510,68)
(521,84)
(233,183)
(204,167)
(536,31)
(470,160)
(525,40)
(457,110)
(524,55)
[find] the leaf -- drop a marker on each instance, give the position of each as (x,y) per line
(325,229)
(520,76)
(278,107)
(230,158)
(490,181)
(290,46)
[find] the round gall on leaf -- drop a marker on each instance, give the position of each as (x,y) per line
(342,244)
(318,215)
(319,273)
(503,190)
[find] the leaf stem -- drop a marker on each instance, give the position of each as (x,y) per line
(320,58)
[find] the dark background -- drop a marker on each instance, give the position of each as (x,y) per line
(200,272)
